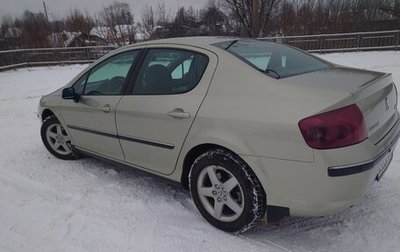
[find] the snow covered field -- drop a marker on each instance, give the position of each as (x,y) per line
(48,204)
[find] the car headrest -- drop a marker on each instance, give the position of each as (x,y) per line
(158,78)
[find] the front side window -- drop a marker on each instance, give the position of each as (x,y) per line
(169,71)
(108,77)
(276,60)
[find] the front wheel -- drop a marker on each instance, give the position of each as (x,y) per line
(56,139)
(226,191)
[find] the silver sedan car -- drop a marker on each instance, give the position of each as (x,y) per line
(253,129)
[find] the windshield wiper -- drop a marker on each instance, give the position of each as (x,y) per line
(272,73)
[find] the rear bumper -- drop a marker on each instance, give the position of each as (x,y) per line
(333,182)
(345,170)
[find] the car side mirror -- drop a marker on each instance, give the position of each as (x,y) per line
(69,94)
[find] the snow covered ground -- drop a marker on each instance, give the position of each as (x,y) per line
(48,204)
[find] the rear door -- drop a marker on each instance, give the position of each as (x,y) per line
(91,120)
(154,119)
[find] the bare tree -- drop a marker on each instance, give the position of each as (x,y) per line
(6,23)
(253,18)
(392,7)
(148,24)
(162,16)
(76,21)
(305,15)
(120,22)
(331,16)
(36,29)
(252,14)
(213,18)
(185,23)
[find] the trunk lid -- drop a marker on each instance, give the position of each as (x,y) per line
(374,93)
(377,99)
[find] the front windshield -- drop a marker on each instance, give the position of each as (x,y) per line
(274,59)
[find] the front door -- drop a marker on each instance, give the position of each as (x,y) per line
(154,120)
(91,121)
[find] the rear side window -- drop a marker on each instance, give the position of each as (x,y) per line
(182,69)
(169,71)
(276,60)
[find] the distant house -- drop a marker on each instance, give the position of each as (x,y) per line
(12,39)
(13,33)
(83,39)
(103,32)
(59,39)
(76,39)
(140,36)
(117,35)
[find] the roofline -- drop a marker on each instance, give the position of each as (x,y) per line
(187,41)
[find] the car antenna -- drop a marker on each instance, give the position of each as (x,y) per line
(231,44)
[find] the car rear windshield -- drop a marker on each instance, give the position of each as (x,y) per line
(273,59)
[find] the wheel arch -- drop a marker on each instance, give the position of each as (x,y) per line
(199,149)
(190,156)
(46,113)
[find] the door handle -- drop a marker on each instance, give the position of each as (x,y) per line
(106,108)
(178,113)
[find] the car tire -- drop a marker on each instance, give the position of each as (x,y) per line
(226,191)
(56,139)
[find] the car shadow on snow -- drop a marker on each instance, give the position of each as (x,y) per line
(135,179)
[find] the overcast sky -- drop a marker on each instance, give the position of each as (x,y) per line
(60,8)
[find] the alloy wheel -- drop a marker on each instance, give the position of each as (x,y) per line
(220,193)
(58,139)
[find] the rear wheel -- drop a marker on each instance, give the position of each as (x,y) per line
(226,191)
(56,139)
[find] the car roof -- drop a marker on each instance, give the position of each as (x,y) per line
(194,41)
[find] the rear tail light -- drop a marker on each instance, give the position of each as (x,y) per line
(333,129)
